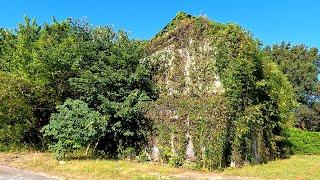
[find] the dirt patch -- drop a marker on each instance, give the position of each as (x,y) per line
(14,158)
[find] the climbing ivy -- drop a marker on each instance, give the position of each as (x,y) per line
(219,92)
(260,97)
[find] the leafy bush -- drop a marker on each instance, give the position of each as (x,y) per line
(74,126)
(304,142)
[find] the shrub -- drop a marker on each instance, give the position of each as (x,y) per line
(75,125)
(304,142)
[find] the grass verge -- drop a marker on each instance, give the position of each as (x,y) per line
(93,168)
(296,167)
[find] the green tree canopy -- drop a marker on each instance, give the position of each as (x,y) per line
(111,79)
(41,57)
(299,65)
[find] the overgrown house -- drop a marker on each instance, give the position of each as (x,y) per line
(211,109)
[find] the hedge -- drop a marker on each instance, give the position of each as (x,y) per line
(304,142)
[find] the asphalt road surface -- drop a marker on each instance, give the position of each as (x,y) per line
(14,174)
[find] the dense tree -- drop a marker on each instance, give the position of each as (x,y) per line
(17,120)
(70,59)
(299,64)
(111,79)
(40,57)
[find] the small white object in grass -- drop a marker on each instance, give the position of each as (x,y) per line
(62,162)
(233,164)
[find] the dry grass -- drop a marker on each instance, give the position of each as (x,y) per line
(297,167)
(90,169)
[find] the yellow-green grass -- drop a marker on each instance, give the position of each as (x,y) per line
(91,169)
(296,167)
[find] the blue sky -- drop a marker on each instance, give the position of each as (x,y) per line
(271,21)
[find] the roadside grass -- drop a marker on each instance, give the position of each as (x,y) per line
(89,168)
(296,167)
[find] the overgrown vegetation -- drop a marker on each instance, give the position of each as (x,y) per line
(220,95)
(260,96)
(199,94)
(43,66)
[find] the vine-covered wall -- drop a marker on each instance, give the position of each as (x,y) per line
(216,104)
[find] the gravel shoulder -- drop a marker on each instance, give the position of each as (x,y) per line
(13,173)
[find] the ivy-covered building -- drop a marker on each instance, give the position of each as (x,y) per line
(221,101)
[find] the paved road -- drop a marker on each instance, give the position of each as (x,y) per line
(7,173)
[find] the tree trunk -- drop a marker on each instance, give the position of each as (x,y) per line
(88,147)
